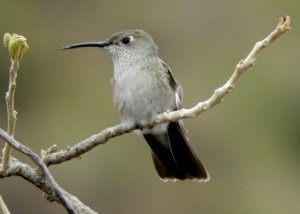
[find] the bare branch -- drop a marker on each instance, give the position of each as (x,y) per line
(70,202)
(17,168)
(108,133)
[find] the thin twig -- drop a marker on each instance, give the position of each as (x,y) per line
(11,113)
(17,46)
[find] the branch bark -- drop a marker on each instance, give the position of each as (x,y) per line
(11,112)
(43,179)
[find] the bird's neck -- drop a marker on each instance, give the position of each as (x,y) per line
(134,65)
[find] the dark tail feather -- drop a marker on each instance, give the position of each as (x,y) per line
(172,156)
(184,155)
(163,159)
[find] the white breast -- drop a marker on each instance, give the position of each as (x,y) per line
(141,91)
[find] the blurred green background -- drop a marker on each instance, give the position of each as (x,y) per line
(249,143)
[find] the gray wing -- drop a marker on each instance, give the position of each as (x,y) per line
(175,85)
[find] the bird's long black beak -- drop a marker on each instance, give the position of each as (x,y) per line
(99,44)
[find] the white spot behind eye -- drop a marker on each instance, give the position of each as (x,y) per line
(131,38)
(127,40)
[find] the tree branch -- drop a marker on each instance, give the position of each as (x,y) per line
(56,157)
(70,202)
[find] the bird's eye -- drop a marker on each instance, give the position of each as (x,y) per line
(126,40)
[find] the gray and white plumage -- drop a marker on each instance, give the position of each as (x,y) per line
(144,86)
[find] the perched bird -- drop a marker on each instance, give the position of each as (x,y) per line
(144,86)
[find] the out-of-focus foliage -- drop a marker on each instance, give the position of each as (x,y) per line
(250,143)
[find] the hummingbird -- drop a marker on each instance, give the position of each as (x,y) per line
(143,87)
